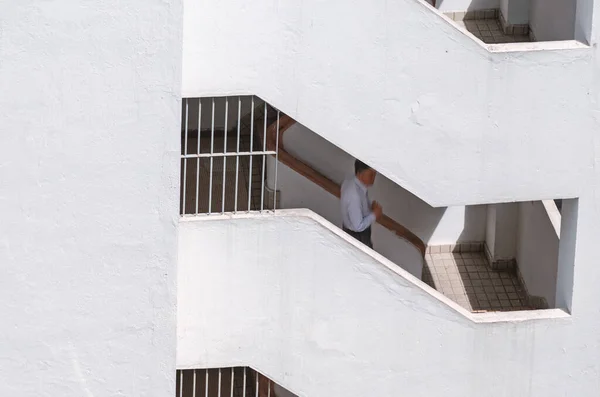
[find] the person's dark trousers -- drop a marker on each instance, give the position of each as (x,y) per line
(364,236)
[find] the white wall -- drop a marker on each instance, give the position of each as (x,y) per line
(89,114)
(466,5)
(295,191)
(435,226)
(537,250)
(316,312)
(488,129)
(552,19)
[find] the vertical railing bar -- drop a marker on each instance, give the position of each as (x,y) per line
(219,387)
(237,157)
(244,385)
(264,159)
(225,157)
(276,163)
(180,383)
(269,390)
(257,378)
(212,143)
(185,148)
(251,144)
(198,152)
(232,384)
(194,385)
(206,384)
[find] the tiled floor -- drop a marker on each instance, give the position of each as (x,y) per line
(467,279)
(489,31)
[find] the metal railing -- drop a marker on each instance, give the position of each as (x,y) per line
(223,155)
(226,382)
(221,139)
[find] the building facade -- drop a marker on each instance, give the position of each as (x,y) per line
(169,219)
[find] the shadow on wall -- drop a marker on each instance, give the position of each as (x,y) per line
(474,215)
(407,209)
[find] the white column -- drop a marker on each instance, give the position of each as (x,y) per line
(501,233)
(514,13)
(587,18)
(566,254)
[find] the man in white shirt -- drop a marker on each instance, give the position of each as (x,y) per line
(358,211)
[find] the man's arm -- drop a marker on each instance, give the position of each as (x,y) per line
(358,223)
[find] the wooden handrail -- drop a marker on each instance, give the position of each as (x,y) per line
(285,122)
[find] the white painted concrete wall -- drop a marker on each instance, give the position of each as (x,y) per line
(537,250)
(298,192)
(466,5)
(435,226)
(552,19)
(488,129)
(89,114)
(323,317)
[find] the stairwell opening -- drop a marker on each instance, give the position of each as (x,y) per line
(239,154)
(513,21)
(227,382)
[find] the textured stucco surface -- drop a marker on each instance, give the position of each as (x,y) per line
(372,85)
(89,121)
(308,299)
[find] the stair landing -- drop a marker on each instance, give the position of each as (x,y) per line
(490,32)
(467,279)
(486,25)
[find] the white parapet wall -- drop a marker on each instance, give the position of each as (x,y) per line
(306,305)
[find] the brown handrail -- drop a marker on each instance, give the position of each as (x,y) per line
(285,122)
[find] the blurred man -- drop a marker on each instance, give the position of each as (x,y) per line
(358,211)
